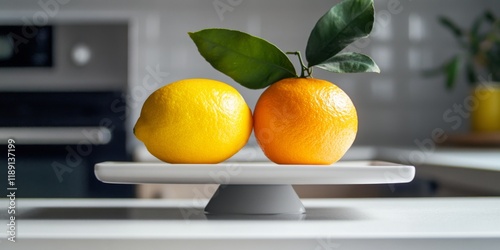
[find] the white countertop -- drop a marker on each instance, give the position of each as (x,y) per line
(417,223)
(471,158)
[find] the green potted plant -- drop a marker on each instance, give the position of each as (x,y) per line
(479,59)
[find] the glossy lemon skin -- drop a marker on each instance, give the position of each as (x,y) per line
(485,116)
(194,121)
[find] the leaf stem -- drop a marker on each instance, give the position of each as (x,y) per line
(304,69)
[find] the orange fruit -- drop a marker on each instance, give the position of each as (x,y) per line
(305,121)
(194,121)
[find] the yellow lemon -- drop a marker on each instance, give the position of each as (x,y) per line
(194,121)
(486,116)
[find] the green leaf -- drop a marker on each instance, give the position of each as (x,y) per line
(493,66)
(476,25)
(471,73)
(350,62)
(451,69)
(489,16)
(451,26)
(343,24)
(249,60)
(474,35)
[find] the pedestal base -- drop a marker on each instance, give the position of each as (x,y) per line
(255,199)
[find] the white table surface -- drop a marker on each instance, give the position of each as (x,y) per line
(470,158)
(416,223)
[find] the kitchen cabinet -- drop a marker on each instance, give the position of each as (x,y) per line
(456,171)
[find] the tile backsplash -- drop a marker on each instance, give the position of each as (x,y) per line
(397,106)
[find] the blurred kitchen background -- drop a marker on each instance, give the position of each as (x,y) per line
(93,63)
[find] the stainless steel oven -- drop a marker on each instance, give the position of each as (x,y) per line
(62,99)
(26,46)
(59,136)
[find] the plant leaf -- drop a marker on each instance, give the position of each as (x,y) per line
(451,26)
(451,69)
(350,62)
(474,35)
(489,16)
(493,56)
(251,61)
(340,26)
(471,73)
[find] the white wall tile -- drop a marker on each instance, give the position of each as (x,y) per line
(394,107)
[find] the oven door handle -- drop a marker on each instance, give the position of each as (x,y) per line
(56,135)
